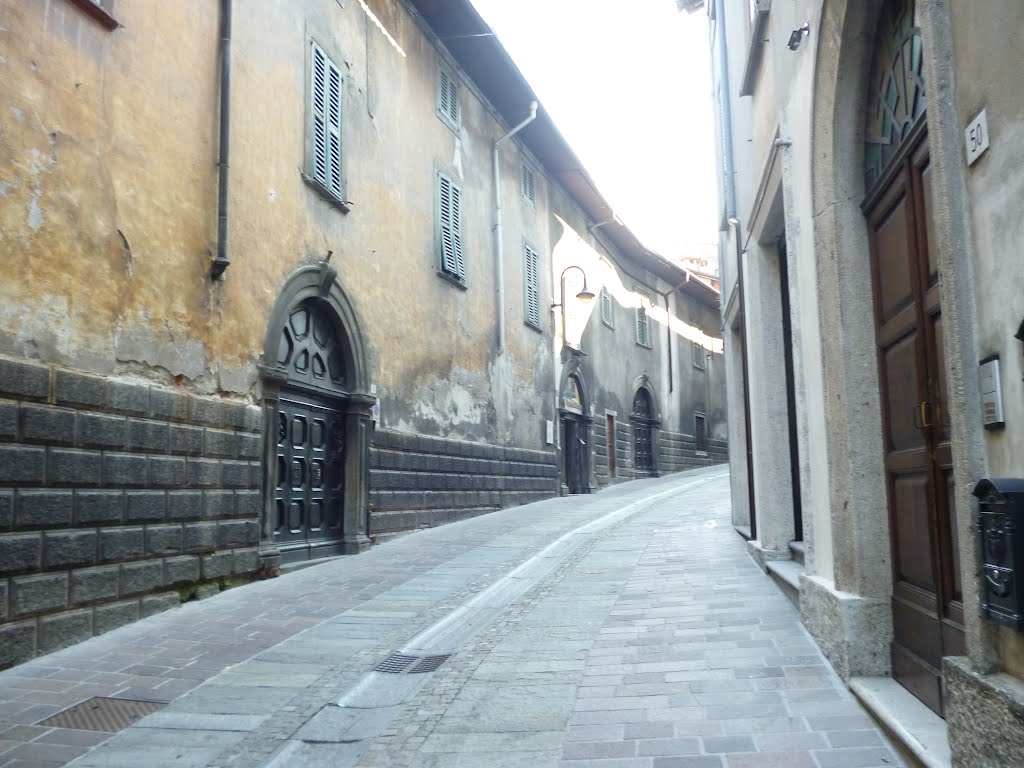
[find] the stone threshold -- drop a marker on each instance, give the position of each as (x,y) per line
(918,730)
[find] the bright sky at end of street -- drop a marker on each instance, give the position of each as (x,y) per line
(629,87)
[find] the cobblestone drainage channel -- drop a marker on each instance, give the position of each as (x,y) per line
(102,714)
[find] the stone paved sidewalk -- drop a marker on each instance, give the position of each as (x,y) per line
(653,641)
(664,646)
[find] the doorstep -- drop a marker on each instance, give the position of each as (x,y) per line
(916,728)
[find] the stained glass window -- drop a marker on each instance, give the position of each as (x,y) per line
(896,88)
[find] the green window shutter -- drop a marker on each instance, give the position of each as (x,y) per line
(449,201)
(698,355)
(529,193)
(448,97)
(606,308)
(532,273)
(453,100)
(442,93)
(325,117)
(642,330)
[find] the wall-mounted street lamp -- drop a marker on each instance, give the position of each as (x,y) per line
(585,295)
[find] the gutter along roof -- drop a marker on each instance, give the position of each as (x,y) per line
(476,48)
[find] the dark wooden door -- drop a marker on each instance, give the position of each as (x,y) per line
(573,444)
(310,473)
(927,602)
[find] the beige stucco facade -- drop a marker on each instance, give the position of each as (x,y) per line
(371,347)
(796,140)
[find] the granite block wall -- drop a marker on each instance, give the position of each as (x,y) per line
(113,496)
(417,480)
(679,452)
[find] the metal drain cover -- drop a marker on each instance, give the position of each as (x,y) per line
(429,664)
(397,663)
(102,714)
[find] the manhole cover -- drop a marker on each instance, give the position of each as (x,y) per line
(397,663)
(100,714)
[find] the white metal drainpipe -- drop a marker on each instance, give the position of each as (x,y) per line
(498,247)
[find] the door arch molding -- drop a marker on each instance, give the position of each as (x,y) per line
(313,313)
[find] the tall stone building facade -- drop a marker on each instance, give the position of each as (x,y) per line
(277,282)
(873,325)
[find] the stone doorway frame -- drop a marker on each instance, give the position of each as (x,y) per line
(851,616)
(319,282)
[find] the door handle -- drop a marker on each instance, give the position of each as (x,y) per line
(921,415)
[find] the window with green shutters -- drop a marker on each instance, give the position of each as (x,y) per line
(528,186)
(698,355)
(606,308)
(449,205)
(325,122)
(531,273)
(643,328)
(448,97)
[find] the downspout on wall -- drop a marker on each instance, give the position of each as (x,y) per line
(499,251)
(221,261)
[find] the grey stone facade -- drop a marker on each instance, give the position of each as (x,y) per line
(417,480)
(113,496)
(675,452)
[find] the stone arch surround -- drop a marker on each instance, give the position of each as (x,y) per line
(851,617)
(319,282)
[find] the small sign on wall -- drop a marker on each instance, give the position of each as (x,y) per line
(549,435)
(976,137)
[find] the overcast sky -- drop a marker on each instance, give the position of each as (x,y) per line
(628,84)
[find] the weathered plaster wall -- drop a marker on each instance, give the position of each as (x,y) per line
(987,52)
(432,344)
(106,193)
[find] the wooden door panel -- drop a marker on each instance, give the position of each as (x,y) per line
(917,677)
(900,384)
(894,272)
(912,542)
(919,631)
(927,206)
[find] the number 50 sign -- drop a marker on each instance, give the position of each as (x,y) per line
(976,137)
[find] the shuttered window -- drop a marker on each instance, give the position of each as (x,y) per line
(643,328)
(449,205)
(325,120)
(606,308)
(531,272)
(448,97)
(529,193)
(698,355)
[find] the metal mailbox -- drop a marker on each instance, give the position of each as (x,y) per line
(1001,528)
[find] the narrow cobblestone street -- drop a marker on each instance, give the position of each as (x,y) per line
(626,628)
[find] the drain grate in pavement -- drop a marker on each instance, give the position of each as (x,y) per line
(397,663)
(429,664)
(102,714)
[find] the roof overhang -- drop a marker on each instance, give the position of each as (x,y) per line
(477,50)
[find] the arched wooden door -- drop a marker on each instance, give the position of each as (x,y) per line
(644,424)
(309,478)
(573,425)
(927,602)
